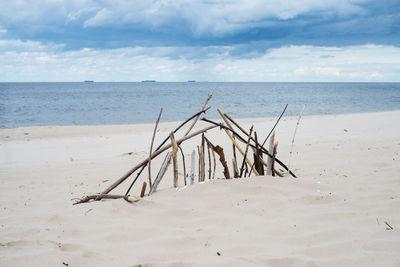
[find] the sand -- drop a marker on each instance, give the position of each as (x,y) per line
(337,213)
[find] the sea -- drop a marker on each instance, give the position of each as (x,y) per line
(97,103)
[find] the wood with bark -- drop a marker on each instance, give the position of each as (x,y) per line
(273,158)
(155,154)
(151,146)
(162,143)
(161,172)
(270,168)
(184,165)
(220,151)
(143,189)
(209,161)
(174,158)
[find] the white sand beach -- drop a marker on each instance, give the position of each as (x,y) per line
(342,210)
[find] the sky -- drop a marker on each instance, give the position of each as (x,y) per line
(202,40)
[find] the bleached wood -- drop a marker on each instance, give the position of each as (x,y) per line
(162,171)
(192,167)
(174,158)
(269,159)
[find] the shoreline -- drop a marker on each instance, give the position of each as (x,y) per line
(114,128)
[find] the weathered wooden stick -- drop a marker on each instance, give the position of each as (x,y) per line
(273,158)
(197,118)
(270,168)
(100,197)
(143,189)
(203,162)
(245,153)
(233,140)
(174,158)
(263,149)
(161,172)
(184,165)
(151,146)
(209,162)
(192,167)
(162,143)
(155,154)
(212,147)
(278,173)
(260,167)
(199,170)
(235,169)
(220,151)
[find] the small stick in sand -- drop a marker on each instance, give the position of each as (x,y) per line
(270,167)
(143,189)
(192,167)
(197,117)
(174,158)
(209,161)
(151,146)
(220,151)
(184,165)
(160,175)
(100,197)
(273,158)
(294,135)
(245,153)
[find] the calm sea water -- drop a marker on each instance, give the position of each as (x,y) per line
(29,104)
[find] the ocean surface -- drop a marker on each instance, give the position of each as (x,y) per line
(92,103)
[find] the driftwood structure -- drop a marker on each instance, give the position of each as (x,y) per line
(206,153)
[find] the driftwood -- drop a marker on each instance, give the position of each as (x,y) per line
(209,162)
(235,169)
(245,153)
(163,142)
(202,165)
(151,146)
(212,148)
(161,173)
(192,167)
(155,154)
(184,165)
(220,151)
(270,165)
(143,189)
(174,158)
(258,157)
(233,140)
(273,158)
(100,197)
(197,117)
(263,149)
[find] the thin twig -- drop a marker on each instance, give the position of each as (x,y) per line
(245,153)
(100,197)
(184,165)
(151,146)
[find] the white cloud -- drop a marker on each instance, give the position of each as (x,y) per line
(34,61)
(203,16)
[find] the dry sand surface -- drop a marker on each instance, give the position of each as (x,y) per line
(339,212)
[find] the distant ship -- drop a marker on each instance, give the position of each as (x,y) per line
(88,81)
(149,81)
(191,81)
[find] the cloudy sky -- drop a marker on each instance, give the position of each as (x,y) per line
(203,40)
